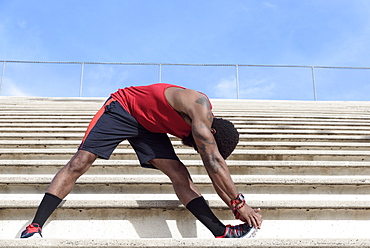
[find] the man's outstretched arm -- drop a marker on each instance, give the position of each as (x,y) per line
(216,166)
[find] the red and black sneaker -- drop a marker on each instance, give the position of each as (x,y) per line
(239,231)
(32,231)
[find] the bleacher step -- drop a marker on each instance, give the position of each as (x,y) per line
(186,243)
(169,201)
(191,154)
(198,179)
(251,145)
(305,164)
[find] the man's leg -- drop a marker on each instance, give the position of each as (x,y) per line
(60,187)
(65,179)
(188,194)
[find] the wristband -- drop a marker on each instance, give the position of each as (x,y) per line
(237,204)
(235,210)
(239,199)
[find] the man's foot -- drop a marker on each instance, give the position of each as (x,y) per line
(239,231)
(32,231)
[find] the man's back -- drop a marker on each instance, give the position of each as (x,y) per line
(151,108)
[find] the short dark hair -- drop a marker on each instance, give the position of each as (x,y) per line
(226,136)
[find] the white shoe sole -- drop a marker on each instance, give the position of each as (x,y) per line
(251,234)
(35,236)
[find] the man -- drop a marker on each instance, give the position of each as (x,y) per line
(144,115)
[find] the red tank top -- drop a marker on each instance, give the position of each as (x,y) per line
(149,106)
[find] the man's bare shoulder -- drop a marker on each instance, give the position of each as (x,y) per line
(181,99)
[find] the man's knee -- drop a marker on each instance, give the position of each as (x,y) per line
(174,169)
(80,162)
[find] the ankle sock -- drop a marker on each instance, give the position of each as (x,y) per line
(200,209)
(48,204)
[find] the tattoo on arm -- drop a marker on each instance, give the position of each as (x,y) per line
(199,136)
(209,159)
(204,101)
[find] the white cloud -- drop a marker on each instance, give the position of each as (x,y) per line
(257,89)
(251,89)
(100,80)
(269,5)
(226,88)
(9,88)
(105,73)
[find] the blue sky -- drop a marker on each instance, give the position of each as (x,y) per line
(262,32)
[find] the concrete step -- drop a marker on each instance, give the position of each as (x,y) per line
(298,122)
(241,131)
(303,145)
(287,155)
(49,120)
(186,243)
(297,111)
(248,120)
(227,114)
(36,119)
(157,183)
(282,126)
(47,114)
(43,124)
(162,216)
(239,105)
(299,131)
(170,201)
(141,223)
(303,137)
(232,113)
(198,179)
(196,167)
(242,137)
(253,145)
(295,115)
(48,124)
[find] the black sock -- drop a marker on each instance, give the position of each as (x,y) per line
(48,204)
(200,209)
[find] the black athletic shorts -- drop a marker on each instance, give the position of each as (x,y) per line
(112,124)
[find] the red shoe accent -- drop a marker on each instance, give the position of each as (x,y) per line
(31,230)
(224,235)
(238,231)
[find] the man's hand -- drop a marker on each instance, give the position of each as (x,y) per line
(251,216)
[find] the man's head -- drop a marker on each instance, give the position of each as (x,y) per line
(226,136)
